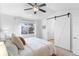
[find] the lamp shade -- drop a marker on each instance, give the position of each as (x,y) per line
(3,50)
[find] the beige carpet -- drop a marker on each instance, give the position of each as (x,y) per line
(61,51)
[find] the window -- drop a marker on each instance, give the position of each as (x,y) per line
(27,28)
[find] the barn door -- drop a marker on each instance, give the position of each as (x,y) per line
(62,32)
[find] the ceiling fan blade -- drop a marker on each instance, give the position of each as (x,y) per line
(42,10)
(30,4)
(28,9)
(42,5)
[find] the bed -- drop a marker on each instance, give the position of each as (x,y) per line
(34,47)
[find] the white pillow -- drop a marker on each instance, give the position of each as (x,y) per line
(11,48)
(3,50)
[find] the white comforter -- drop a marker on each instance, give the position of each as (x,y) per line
(34,44)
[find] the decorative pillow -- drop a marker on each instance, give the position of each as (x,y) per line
(11,48)
(23,41)
(17,42)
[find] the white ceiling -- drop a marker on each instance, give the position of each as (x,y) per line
(17,9)
(63,6)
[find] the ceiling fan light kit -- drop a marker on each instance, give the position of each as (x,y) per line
(36,7)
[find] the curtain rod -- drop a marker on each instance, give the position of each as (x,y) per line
(58,16)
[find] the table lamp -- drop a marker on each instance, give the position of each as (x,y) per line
(3,50)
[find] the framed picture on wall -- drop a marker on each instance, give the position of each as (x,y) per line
(27,28)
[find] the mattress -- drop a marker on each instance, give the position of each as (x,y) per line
(36,47)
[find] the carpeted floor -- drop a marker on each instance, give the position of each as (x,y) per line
(62,52)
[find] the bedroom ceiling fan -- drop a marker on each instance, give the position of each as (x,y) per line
(36,7)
